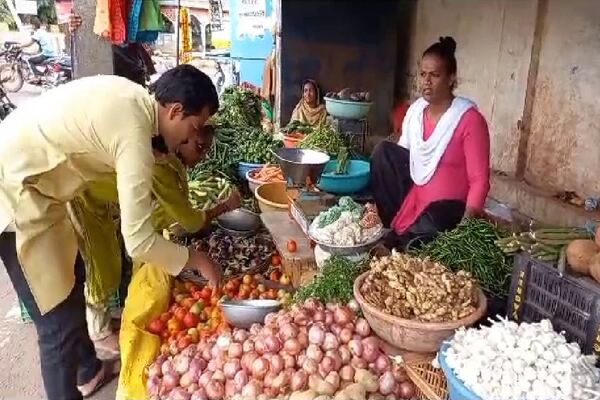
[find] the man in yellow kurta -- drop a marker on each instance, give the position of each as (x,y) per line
(51,150)
(99,243)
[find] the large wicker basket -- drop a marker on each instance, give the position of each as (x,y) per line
(430,382)
(417,336)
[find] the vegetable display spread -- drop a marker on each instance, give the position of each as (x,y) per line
(413,288)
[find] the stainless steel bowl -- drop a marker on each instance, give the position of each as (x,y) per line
(350,250)
(299,164)
(240,222)
(244,313)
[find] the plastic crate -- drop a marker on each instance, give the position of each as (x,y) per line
(572,302)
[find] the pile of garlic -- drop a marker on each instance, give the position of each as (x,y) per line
(527,361)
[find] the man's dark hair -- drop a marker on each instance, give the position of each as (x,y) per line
(189,86)
(35,22)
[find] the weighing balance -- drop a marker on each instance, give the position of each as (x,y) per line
(302,169)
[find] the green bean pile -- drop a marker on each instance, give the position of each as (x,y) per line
(471,246)
(324,138)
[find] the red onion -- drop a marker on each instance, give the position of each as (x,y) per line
(370,349)
(268,379)
(255,329)
(179,393)
(235,350)
(337,359)
(327,364)
(316,334)
(230,389)
(248,346)
(206,353)
(271,319)
(345,335)
(292,347)
(289,361)
(330,342)
(331,306)
(281,382)
(334,379)
(336,329)
(399,373)
(167,368)
(273,344)
(197,366)
(199,394)
(173,349)
(252,389)
(328,318)
(212,365)
(347,373)
(355,347)
(240,335)
(406,390)
(288,331)
(153,385)
(386,383)
(189,351)
(240,379)
(382,363)
(231,368)
(193,388)
(353,305)
(302,339)
(248,360)
(301,358)
(205,378)
(362,327)
(155,370)
(319,316)
(284,320)
(314,352)
(310,366)
(187,379)
(169,381)
(277,363)
(260,346)
(271,392)
(345,354)
(260,367)
(215,390)
(219,376)
(343,315)
(301,318)
(299,381)
(313,304)
(216,351)
(358,363)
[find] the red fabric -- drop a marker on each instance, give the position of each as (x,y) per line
(119,11)
(462,174)
(397,118)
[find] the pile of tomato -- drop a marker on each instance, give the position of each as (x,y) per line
(194,310)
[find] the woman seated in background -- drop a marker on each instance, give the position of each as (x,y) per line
(438,173)
(309,109)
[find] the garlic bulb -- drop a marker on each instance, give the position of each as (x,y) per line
(527,361)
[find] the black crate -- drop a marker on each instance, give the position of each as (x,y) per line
(572,302)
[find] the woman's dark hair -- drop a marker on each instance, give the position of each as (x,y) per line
(445,49)
(189,86)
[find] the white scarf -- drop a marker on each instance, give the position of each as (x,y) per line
(425,155)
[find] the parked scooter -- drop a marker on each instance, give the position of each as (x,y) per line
(18,69)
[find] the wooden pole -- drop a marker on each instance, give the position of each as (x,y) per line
(90,54)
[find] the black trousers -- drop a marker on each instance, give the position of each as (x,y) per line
(391,183)
(67,354)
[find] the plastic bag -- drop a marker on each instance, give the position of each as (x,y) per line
(148,296)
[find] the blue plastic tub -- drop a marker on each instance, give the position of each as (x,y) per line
(355,180)
(244,167)
(456,388)
(346,109)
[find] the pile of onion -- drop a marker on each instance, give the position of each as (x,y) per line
(316,348)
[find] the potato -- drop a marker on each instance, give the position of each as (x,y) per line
(579,254)
(594,267)
(306,395)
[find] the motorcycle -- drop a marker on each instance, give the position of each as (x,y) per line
(6,106)
(18,69)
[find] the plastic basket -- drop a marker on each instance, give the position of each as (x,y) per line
(430,382)
(572,303)
(456,388)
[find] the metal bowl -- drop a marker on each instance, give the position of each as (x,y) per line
(244,313)
(299,164)
(350,250)
(240,222)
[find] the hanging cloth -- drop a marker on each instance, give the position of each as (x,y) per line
(151,22)
(135,12)
(118,21)
(102,20)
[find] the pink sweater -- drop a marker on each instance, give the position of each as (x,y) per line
(462,174)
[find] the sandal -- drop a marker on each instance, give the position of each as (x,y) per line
(108,371)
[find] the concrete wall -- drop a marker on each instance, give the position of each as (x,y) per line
(533,68)
(340,44)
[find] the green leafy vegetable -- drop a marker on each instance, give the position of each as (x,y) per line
(324,138)
(342,161)
(334,283)
(240,107)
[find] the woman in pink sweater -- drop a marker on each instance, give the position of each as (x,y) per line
(438,173)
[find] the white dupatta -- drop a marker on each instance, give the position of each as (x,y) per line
(425,155)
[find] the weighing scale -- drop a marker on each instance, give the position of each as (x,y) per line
(302,169)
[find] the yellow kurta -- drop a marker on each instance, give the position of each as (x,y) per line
(94,209)
(52,149)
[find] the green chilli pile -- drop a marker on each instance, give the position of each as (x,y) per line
(472,247)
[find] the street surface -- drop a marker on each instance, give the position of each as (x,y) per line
(20,376)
